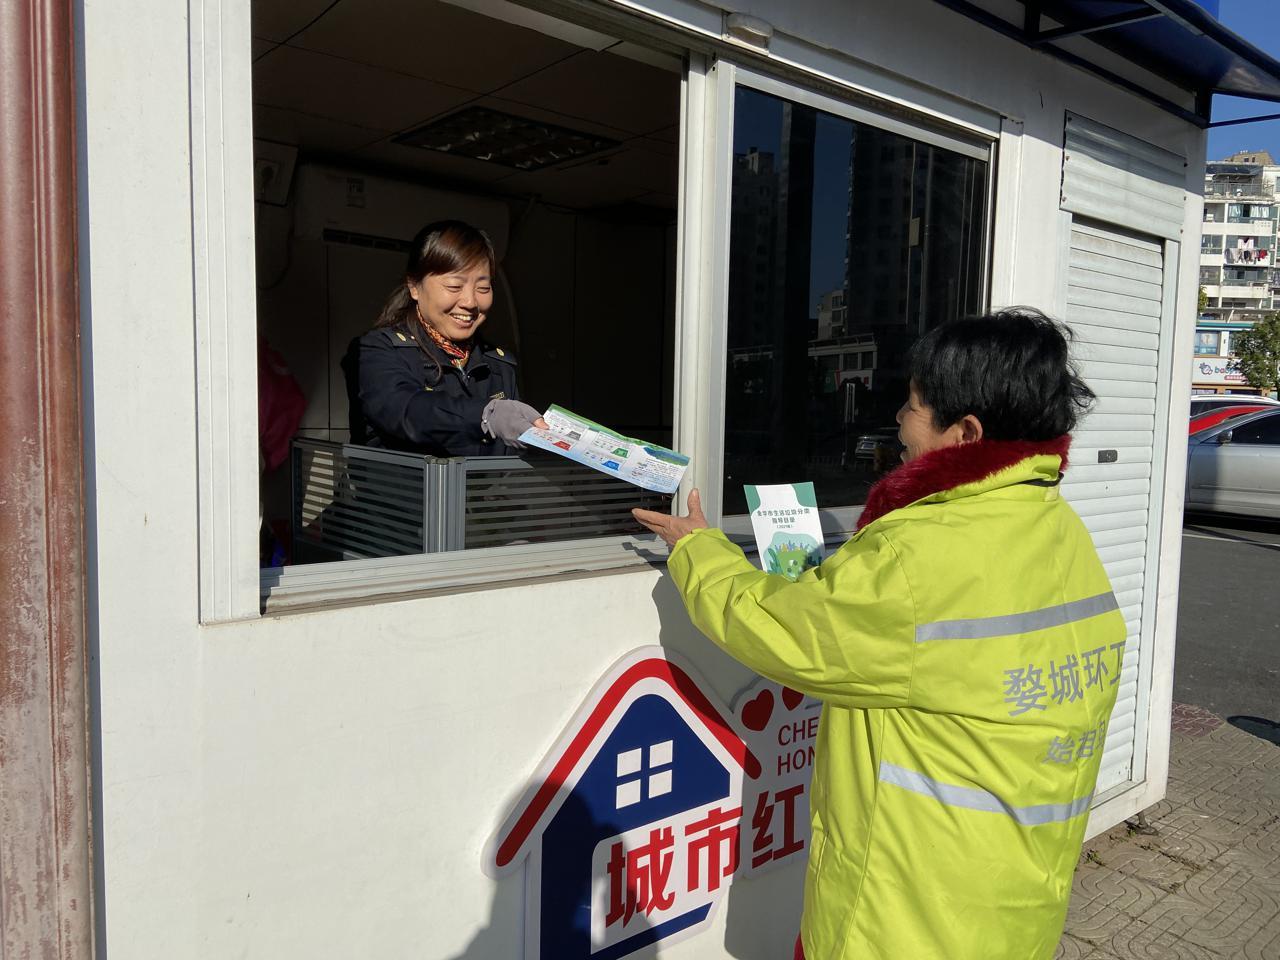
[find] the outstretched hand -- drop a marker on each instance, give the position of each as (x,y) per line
(670,528)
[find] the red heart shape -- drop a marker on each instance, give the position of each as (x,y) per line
(791,698)
(758,710)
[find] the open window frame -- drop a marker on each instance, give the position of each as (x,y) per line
(232,586)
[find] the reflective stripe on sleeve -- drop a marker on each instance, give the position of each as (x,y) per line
(971,798)
(980,628)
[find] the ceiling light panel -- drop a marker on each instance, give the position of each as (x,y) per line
(495,137)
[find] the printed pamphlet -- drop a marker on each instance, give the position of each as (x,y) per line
(645,464)
(788,531)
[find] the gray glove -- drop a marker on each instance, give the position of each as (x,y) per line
(507,419)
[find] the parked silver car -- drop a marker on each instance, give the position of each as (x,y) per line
(1234,467)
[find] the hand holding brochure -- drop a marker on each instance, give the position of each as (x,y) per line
(646,465)
(788,532)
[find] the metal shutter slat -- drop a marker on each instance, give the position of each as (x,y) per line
(1114,177)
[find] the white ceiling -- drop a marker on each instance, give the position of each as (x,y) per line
(341,79)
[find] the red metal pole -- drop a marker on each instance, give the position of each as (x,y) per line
(45,902)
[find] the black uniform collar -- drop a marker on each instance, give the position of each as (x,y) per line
(482,352)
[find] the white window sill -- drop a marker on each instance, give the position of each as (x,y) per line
(347,582)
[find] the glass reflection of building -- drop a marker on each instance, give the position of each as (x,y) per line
(846,243)
(770,327)
(753,232)
(913,247)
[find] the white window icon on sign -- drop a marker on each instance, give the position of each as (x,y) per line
(640,774)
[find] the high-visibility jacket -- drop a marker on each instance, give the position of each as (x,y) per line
(967,648)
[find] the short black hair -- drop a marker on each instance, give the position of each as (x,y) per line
(1011,369)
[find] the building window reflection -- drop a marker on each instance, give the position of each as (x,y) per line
(847,242)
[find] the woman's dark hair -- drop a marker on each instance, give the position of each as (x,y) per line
(1010,369)
(445,246)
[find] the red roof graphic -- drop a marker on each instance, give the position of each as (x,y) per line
(655,667)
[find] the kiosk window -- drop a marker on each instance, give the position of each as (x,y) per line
(566,156)
(846,243)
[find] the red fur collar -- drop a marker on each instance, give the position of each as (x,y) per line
(952,467)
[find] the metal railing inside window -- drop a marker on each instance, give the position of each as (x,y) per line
(1252,187)
(351,502)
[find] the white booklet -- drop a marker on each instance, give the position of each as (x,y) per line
(584,441)
(788,530)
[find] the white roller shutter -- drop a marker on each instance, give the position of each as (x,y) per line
(1114,177)
(1116,302)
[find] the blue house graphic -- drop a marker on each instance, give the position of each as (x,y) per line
(649,751)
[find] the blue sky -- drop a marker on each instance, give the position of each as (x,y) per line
(1257,22)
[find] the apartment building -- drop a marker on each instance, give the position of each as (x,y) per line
(1238,274)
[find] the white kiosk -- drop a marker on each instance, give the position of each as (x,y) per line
(720,229)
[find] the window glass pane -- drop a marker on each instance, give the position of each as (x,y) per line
(846,243)
(1265,430)
(1206,343)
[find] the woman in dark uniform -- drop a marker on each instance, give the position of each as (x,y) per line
(421,379)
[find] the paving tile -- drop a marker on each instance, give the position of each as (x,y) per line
(1268,760)
(1073,948)
(1258,855)
(1208,763)
(1265,943)
(1180,791)
(1254,783)
(1228,909)
(1069,948)
(1206,884)
(1252,812)
(1097,847)
(1099,891)
(1191,721)
(1103,928)
(1229,745)
(1219,913)
(1160,810)
(1264,844)
(1188,834)
(1143,858)
(1159,937)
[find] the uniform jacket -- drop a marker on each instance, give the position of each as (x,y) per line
(401,401)
(967,648)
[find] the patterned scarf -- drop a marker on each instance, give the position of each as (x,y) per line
(457,353)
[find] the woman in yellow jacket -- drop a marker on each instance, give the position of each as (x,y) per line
(967,648)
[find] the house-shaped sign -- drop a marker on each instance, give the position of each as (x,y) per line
(629,830)
(633,826)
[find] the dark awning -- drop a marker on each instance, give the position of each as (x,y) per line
(1177,40)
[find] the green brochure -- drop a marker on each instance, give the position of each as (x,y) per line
(788,531)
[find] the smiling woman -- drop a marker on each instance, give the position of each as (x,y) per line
(422,380)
